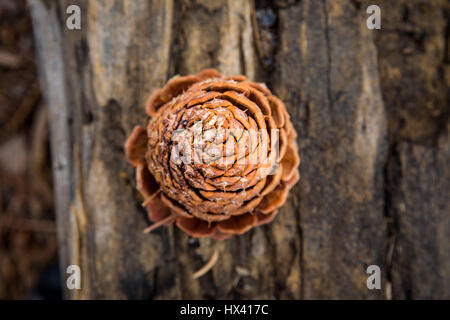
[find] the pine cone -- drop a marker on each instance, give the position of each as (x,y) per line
(218,157)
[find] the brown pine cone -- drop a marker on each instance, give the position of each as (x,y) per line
(218,157)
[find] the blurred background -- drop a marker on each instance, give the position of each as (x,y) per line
(28,246)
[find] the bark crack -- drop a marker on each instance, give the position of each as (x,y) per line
(327,40)
(301,251)
(389,215)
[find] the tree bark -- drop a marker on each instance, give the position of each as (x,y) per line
(370,107)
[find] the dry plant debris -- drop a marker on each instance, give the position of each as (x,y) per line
(27,223)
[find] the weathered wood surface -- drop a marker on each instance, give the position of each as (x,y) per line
(370,107)
(414,60)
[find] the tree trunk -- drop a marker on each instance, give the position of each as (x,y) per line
(370,107)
